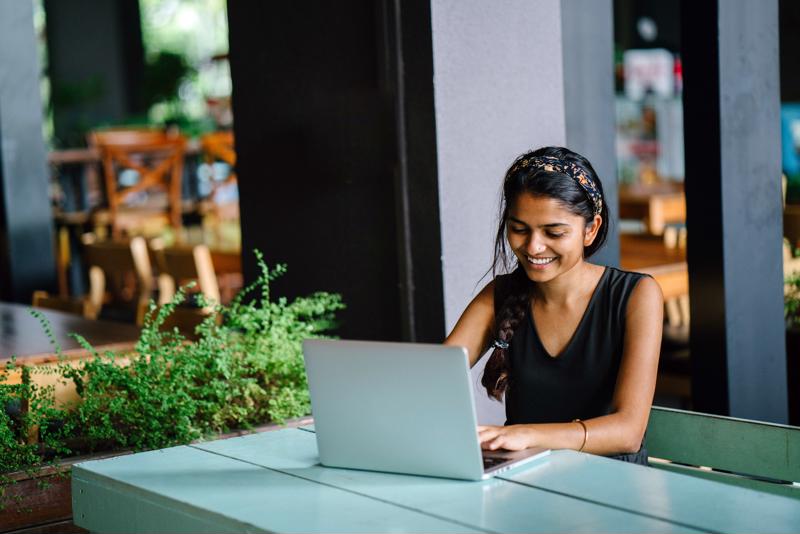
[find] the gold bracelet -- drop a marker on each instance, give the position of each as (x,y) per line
(585,433)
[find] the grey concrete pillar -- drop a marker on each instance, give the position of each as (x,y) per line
(508,77)
(26,237)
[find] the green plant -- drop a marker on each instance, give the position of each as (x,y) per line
(28,439)
(791,300)
(245,368)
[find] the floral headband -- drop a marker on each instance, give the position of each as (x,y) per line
(552,164)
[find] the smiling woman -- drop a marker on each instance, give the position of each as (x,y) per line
(575,344)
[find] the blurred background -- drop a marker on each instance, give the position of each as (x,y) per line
(376,164)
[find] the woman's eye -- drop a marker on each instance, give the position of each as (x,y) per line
(555,234)
(518,230)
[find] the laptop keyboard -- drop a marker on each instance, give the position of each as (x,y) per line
(491,462)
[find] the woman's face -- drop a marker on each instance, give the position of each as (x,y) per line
(546,238)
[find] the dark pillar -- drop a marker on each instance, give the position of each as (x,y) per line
(26,237)
(732,137)
(588,50)
(410,79)
(332,182)
(94,80)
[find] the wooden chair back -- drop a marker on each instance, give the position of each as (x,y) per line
(219,146)
(110,262)
(754,454)
(82,307)
(156,156)
(178,265)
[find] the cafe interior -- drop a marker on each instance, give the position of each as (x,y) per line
(153,149)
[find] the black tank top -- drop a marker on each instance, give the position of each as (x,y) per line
(579,383)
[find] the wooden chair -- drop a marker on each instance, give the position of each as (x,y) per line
(752,454)
(219,146)
(674,370)
(178,266)
(121,268)
(157,158)
(82,307)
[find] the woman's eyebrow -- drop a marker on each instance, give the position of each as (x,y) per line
(548,225)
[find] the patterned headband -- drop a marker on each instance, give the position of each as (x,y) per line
(552,164)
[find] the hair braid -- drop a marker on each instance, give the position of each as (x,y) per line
(495,374)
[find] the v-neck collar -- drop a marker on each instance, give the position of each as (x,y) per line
(569,344)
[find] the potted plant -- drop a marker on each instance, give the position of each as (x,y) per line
(245,368)
(791,309)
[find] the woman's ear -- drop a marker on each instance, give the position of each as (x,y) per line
(591,230)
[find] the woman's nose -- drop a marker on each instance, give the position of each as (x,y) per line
(535,246)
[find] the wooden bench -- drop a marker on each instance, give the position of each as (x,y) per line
(751,454)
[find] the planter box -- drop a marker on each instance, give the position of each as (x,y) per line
(64,393)
(42,503)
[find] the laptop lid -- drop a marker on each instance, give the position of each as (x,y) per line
(397,407)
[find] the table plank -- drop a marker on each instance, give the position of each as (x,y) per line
(496,505)
(648,254)
(705,504)
(185,489)
(645,251)
(22,335)
(656,204)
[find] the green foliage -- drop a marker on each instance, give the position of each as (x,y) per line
(245,368)
(163,75)
(791,300)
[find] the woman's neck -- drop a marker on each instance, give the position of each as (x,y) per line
(568,287)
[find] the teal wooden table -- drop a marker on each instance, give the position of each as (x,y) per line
(272,482)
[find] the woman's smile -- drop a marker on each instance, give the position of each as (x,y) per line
(540,262)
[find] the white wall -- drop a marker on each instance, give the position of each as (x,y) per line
(498,88)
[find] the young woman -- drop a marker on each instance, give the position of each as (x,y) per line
(576,345)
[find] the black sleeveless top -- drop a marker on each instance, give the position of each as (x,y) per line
(579,383)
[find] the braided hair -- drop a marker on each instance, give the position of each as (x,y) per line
(565,180)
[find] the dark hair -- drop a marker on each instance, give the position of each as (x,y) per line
(545,182)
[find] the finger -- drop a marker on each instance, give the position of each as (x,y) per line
(497,443)
(487,435)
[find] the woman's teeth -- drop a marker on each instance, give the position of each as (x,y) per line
(540,261)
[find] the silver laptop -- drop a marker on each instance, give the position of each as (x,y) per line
(399,407)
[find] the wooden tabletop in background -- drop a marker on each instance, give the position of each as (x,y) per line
(640,251)
(22,335)
(648,254)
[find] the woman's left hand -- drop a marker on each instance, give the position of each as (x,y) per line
(511,438)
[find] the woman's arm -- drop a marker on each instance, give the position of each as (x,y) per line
(474,329)
(621,431)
